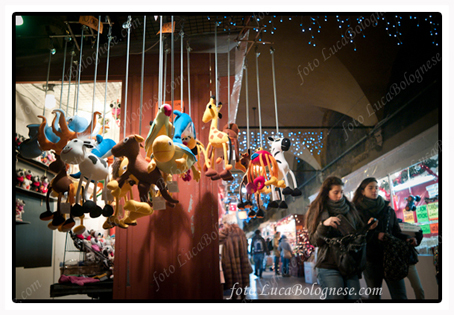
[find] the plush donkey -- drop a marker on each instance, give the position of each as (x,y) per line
(137,166)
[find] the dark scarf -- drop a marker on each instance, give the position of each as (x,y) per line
(341,207)
(373,206)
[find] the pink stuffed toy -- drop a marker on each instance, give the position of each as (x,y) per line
(44,187)
(19,209)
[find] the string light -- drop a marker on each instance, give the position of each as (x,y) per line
(349,30)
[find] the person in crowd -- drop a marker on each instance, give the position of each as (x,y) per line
(235,261)
(258,250)
(276,252)
(322,223)
(371,205)
(284,245)
(413,275)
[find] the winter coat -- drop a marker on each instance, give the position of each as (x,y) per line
(235,261)
(374,249)
(276,251)
(325,255)
(284,245)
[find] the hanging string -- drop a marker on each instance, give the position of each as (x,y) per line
(143,64)
(216,59)
(165,75)
(172,77)
(274,88)
(80,62)
(228,79)
(181,69)
(189,79)
(109,37)
(257,54)
(160,64)
(47,81)
(69,81)
(128,26)
(96,73)
(63,72)
(75,94)
(247,105)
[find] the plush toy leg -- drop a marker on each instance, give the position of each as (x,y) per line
(47,215)
(296,191)
(133,216)
(79,187)
(227,166)
(80,228)
(138,207)
(196,173)
(58,219)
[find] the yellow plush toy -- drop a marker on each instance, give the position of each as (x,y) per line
(172,158)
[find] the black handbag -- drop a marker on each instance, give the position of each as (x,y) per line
(350,251)
(396,255)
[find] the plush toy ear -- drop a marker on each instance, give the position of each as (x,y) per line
(220,115)
(209,106)
(87,144)
(139,138)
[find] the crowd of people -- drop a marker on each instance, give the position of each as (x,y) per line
(367,225)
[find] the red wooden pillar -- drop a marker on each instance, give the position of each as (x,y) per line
(174,253)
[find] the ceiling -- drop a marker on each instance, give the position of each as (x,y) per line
(324,73)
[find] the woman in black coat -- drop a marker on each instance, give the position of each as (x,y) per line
(372,205)
(325,219)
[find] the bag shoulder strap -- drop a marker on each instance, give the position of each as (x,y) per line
(387,223)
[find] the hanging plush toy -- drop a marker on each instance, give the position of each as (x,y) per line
(64,133)
(186,135)
(61,184)
(160,126)
(119,167)
(278,147)
(262,168)
(102,150)
(217,139)
(245,160)
(129,147)
(172,158)
(78,151)
(233,131)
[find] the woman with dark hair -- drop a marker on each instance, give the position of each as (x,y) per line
(326,214)
(370,204)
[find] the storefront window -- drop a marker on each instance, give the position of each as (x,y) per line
(415,200)
(384,188)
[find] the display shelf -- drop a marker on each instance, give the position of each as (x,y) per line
(22,222)
(33,193)
(35,163)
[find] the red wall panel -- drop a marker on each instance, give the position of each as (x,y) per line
(172,254)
